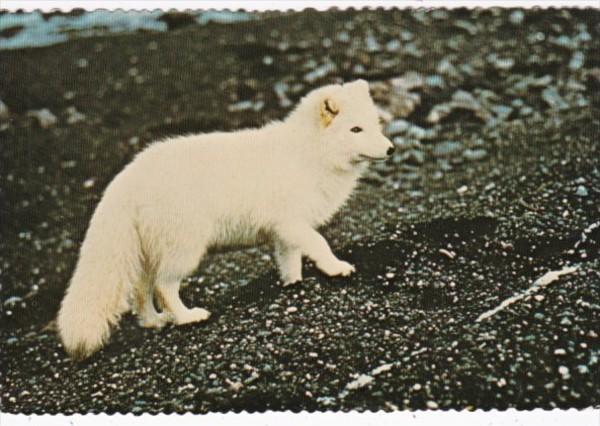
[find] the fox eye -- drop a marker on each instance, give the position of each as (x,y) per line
(356,129)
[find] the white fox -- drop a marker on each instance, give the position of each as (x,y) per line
(177,198)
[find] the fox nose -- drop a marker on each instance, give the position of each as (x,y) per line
(391,150)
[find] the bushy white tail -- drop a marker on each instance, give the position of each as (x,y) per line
(108,265)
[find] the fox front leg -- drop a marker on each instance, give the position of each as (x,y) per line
(314,245)
(289,261)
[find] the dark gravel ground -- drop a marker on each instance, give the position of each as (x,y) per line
(503,177)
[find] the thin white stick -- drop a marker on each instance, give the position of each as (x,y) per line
(538,284)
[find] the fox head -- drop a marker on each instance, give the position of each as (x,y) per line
(346,122)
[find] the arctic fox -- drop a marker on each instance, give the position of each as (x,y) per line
(179,197)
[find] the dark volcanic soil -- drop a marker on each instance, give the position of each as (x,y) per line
(502,187)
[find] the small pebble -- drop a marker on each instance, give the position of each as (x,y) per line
(581,191)
(516,17)
(474,154)
(44,117)
(396,126)
(3,110)
(583,369)
(447,148)
(432,405)
(564,372)
(577,61)
(74,116)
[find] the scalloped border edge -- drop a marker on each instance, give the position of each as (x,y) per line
(420,417)
(287,5)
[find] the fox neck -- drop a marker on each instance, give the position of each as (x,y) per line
(331,179)
(334,189)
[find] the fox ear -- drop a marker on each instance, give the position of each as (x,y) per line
(328,111)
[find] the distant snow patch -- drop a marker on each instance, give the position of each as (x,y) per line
(38,31)
(35,30)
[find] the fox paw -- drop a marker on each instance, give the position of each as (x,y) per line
(155,321)
(290,282)
(193,315)
(340,268)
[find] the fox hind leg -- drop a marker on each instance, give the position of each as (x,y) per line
(167,288)
(147,314)
(168,292)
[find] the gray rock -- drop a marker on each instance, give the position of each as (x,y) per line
(359,69)
(502,111)
(372,44)
(412,50)
(432,405)
(475,154)
(403,143)
(577,61)
(417,132)
(565,41)
(581,191)
(403,103)
(460,100)
(396,126)
(3,111)
(565,321)
(320,72)
(447,149)
(438,112)
(393,46)
(343,36)
(281,88)
(74,116)
(583,369)
(435,80)
(521,87)
(525,111)
(501,64)
(517,103)
(551,96)
(467,26)
(406,35)
(246,105)
(409,81)
(413,156)
(44,117)
(516,17)
(447,68)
